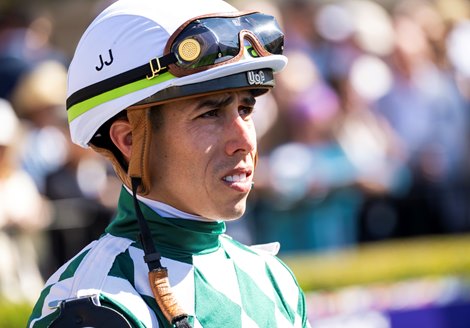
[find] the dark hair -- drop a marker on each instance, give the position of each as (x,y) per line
(101,139)
(156,117)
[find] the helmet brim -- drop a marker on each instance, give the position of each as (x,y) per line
(258,81)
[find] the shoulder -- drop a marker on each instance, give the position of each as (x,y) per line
(262,258)
(260,272)
(89,267)
(102,269)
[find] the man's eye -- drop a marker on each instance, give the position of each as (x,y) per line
(211,113)
(245,111)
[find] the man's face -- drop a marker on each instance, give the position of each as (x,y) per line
(203,154)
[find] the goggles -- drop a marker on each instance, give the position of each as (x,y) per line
(197,45)
(209,41)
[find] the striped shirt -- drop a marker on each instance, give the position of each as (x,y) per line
(217,281)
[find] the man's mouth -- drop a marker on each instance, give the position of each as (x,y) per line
(235,178)
(239,181)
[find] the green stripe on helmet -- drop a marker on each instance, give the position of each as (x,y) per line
(84,106)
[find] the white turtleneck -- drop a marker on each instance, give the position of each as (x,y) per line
(167,211)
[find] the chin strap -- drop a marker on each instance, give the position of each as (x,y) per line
(141,142)
(138,165)
(158,275)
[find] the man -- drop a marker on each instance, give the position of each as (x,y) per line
(168,99)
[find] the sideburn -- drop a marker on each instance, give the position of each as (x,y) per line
(156,117)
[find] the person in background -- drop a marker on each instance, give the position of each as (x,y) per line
(23,214)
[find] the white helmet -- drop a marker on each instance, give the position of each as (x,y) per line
(117,60)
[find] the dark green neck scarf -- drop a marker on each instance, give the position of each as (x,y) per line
(177,239)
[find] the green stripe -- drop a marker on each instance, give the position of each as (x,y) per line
(84,106)
(281,302)
(256,304)
(73,266)
(301,309)
(112,303)
(123,267)
(214,309)
(152,304)
(37,311)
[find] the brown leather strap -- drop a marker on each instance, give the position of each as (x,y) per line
(166,301)
(141,140)
(141,143)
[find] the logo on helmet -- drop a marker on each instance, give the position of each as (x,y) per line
(103,62)
(255,78)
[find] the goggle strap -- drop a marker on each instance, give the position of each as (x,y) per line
(153,68)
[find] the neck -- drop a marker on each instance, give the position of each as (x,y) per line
(168,211)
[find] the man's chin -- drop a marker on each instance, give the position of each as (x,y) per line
(226,219)
(231,213)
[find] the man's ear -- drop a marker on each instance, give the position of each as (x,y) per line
(120,133)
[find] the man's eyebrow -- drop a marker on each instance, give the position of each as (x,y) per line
(215,102)
(249,101)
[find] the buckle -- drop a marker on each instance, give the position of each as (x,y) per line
(153,70)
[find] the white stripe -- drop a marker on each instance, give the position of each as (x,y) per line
(181,276)
(56,276)
(247,322)
(281,320)
(252,264)
(121,290)
(59,291)
(141,280)
(220,274)
(298,321)
(100,258)
(284,278)
(197,324)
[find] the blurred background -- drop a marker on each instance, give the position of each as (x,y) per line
(364,170)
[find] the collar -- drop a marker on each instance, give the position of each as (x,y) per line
(174,238)
(166,210)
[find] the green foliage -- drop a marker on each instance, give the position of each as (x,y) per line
(381,262)
(14,315)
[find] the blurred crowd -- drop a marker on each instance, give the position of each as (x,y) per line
(365,138)
(55,197)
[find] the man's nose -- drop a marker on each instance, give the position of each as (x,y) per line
(241,136)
